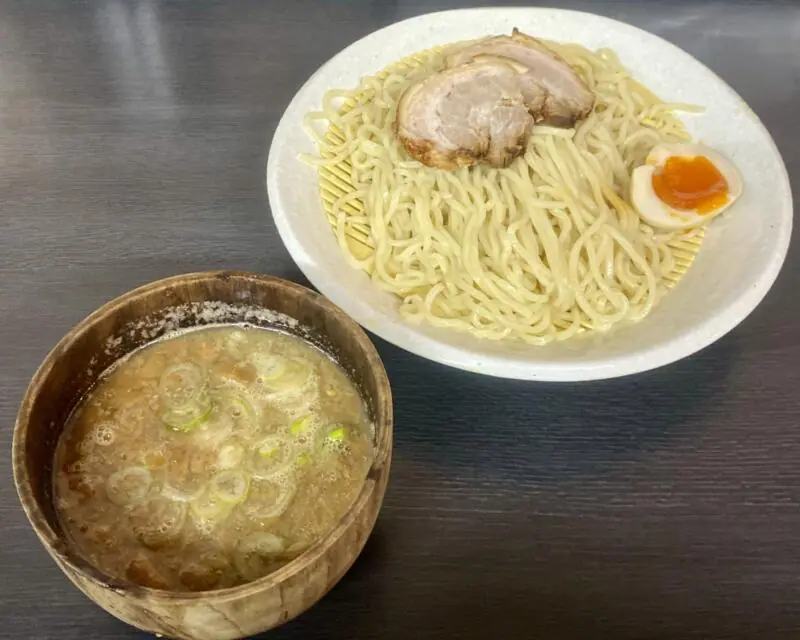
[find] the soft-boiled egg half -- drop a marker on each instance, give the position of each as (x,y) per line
(684,185)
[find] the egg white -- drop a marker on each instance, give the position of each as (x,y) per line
(655,211)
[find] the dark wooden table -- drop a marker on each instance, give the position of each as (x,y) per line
(133,141)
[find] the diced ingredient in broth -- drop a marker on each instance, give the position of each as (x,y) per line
(211,458)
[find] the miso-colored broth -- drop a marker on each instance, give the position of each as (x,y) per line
(211,458)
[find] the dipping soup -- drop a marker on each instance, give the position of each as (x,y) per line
(211,458)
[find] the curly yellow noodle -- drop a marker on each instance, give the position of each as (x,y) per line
(543,250)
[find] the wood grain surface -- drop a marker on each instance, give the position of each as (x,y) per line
(133,140)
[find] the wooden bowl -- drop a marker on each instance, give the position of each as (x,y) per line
(137,318)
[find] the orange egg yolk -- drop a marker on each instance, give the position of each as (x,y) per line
(692,184)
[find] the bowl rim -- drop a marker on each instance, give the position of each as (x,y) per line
(63,552)
(407,337)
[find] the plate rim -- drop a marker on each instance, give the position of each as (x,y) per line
(701,335)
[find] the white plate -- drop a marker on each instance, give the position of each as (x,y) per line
(739,261)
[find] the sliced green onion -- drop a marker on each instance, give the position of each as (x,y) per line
(235,342)
(263,542)
(258,553)
(294,377)
(173,493)
(184,477)
(215,431)
(300,426)
(236,404)
(271,456)
(128,486)
(180,385)
(269,499)
(337,434)
(298,372)
(241,406)
(189,420)
(208,508)
(269,367)
(158,522)
(230,456)
(208,512)
(229,486)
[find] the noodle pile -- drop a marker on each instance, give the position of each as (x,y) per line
(538,251)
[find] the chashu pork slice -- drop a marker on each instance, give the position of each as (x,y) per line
(473,113)
(568,98)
